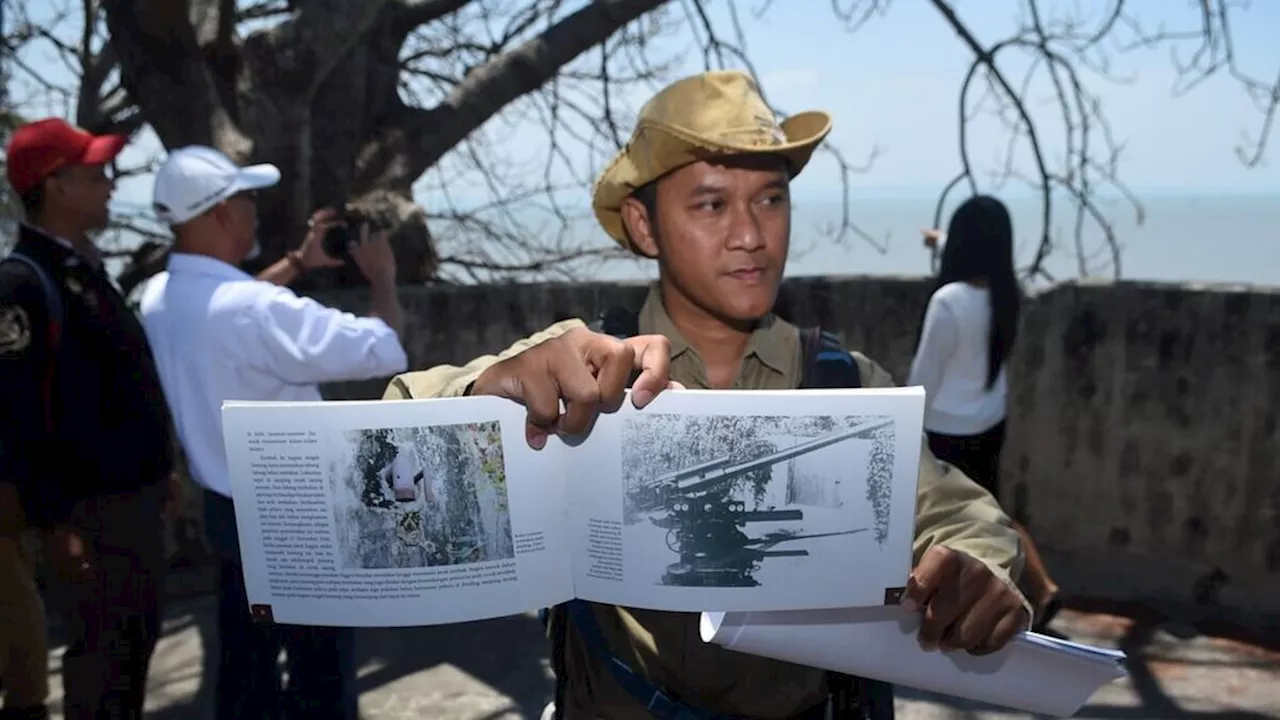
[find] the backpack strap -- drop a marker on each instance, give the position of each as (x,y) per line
(827,364)
(659,704)
(620,322)
(53,332)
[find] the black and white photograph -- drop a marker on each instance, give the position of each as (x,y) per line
(749,501)
(428,496)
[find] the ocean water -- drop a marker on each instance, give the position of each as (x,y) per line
(1197,238)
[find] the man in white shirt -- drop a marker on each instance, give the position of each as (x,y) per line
(219,334)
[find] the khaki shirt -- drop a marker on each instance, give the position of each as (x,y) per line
(666,647)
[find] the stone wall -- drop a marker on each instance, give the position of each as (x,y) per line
(1143,450)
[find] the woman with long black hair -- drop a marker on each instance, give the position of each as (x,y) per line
(962,348)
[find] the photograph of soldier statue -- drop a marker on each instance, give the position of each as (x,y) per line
(422,497)
(719,495)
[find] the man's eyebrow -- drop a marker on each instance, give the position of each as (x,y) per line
(779,183)
(706,189)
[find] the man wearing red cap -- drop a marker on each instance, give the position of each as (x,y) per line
(85,448)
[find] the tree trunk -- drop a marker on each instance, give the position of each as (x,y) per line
(317,95)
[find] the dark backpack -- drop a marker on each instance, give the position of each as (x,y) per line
(826,365)
(53,332)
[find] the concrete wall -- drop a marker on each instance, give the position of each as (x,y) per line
(1144,448)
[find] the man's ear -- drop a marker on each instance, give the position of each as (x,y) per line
(639,227)
(51,185)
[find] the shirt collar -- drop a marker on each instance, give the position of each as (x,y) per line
(66,250)
(197,264)
(767,343)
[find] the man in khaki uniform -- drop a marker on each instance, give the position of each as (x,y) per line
(702,187)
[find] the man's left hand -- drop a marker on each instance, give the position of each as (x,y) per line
(963,605)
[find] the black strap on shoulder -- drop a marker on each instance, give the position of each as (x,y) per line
(827,364)
(620,322)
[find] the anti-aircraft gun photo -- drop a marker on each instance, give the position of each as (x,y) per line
(705,522)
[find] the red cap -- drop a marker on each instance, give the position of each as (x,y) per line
(38,149)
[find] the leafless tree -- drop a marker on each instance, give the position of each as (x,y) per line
(1066,48)
(368,102)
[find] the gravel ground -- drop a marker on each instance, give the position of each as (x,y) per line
(495,670)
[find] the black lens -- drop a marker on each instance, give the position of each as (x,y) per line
(335,241)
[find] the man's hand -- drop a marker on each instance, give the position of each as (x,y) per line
(585,369)
(964,606)
(312,249)
(70,556)
(373,255)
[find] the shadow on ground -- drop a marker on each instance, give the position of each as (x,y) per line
(506,657)
(497,668)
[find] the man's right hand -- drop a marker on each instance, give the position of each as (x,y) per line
(373,255)
(585,369)
(68,554)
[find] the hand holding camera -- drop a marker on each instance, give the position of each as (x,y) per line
(336,238)
(372,254)
(314,252)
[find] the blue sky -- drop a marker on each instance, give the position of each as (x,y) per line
(894,83)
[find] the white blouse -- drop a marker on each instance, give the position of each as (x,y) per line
(951,363)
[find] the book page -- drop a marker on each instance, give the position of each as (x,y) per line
(748,500)
(383,514)
(1033,673)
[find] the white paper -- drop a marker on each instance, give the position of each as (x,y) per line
(1033,673)
(420,512)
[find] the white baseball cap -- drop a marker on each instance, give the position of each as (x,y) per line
(195,178)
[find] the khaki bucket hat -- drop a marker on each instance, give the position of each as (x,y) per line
(713,114)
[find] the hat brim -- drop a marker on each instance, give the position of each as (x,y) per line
(250,177)
(255,177)
(102,149)
(802,132)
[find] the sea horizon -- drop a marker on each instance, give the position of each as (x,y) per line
(1230,238)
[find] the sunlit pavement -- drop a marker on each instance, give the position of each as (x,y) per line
(497,669)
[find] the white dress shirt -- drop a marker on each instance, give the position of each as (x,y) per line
(219,334)
(951,363)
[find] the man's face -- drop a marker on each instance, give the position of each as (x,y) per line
(721,235)
(83,191)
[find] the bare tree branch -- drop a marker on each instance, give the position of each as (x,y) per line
(178,97)
(419,138)
(377,103)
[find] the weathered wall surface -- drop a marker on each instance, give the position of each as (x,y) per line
(1144,447)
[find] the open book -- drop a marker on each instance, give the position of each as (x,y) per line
(421,512)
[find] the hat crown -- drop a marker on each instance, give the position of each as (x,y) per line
(190,178)
(722,105)
(713,114)
(39,148)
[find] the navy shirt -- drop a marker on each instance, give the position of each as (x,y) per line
(89,419)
